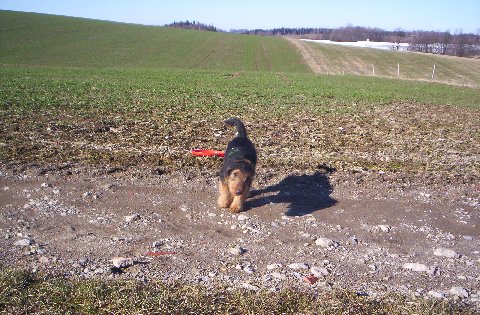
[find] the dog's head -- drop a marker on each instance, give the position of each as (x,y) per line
(239,181)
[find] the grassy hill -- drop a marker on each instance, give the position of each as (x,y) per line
(48,40)
(335,59)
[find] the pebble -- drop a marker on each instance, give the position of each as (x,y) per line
(121,262)
(274,266)
(23,242)
(297,266)
(436,294)
(43,260)
(444,252)
(326,242)
(242,217)
(319,271)
(415,267)
(132,218)
(459,291)
(249,286)
(279,276)
(384,228)
(237,250)
(353,241)
(45,185)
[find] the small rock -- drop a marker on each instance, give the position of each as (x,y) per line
(274,266)
(459,291)
(468,238)
(279,276)
(242,217)
(43,260)
(297,266)
(436,294)
(249,286)
(45,185)
(132,218)
(353,241)
(326,242)
(384,228)
(319,271)
(445,253)
(23,242)
(121,262)
(236,251)
(416,267)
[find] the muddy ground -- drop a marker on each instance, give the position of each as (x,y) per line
(373,232)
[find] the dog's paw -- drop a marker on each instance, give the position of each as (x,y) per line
(235,208)
(224,202)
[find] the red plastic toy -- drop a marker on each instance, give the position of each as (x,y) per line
(199,152)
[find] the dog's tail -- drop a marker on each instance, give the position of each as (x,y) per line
(242,132)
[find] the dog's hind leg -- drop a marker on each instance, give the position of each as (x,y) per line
(225,199)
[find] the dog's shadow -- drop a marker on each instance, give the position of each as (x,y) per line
(304,194)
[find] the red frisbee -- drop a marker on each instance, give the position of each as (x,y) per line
(199,152)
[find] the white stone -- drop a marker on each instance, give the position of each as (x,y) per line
(237,250)
(416,267)
(242,217)
(23,242)
(132,218)
(121,262)
(297,266)
(436,294)
(279,276)
(319,271)
(274,266)
(444,252)
(384,228)
(459,291)
(249,286)
(326,242)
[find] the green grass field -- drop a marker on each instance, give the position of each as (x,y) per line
(46,40)
(336,59)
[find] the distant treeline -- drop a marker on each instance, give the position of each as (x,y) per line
(445,43)
(193,25)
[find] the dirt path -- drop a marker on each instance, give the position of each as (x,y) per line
(308,55)
(364,231)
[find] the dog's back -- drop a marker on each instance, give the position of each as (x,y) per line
(239,150)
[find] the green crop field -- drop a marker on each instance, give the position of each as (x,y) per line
(46,40)
(335,59)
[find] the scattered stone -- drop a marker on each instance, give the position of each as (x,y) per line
(274,266)
(444,252)
(132,218)
(23,242)
(121,262)
(46,185)
(297,266)
(353,241)
(468,238)
(436,294)
(242,217)
(384,228)
(319,271)
(279,276)
(326,242)
(459,291)
(237,250)
(249,286)
(416,267)
(43,260)
(107,186)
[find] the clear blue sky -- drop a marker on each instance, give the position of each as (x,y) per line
(439,15)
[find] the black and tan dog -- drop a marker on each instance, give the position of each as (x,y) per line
(238,169)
